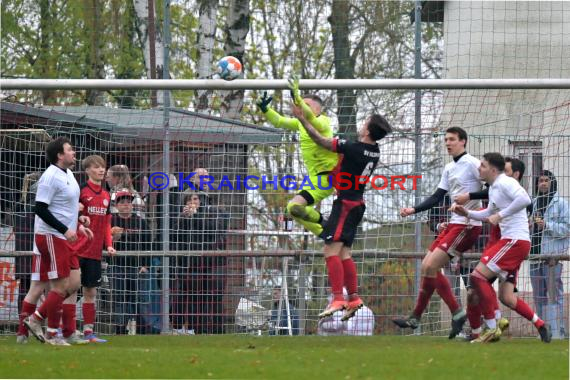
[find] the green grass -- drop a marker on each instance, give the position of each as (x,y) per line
(310,357)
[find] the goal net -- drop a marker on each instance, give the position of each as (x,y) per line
(238,263)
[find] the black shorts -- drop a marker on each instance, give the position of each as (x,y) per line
(90,272)
(343,221)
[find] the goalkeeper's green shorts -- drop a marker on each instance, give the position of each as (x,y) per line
(316,188)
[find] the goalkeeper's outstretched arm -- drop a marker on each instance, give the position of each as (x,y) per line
(320,124)
(319,139)
(274,117)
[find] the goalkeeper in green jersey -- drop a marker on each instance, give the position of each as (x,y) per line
(319,162)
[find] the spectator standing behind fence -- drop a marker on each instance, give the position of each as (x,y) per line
(550,236)
(361,324)
(119,178)
(129,273)
(199,281)
(279,320)
(24,241)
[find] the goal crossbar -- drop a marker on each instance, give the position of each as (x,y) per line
(264,84)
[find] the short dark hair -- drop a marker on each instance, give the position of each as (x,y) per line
(54,148)
(496,160)
(378,127)
(517,165)
(314,97)
(460,132)
(188,197)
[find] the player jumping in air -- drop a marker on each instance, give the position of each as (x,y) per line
(319,161)
(461,233)
(357,163)
(507,207)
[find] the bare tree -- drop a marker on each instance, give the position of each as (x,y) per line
(236,29)
(344,65)
(208,14)
(142,23)
(94,65)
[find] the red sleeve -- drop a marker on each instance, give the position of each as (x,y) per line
(335,144)
(108,237)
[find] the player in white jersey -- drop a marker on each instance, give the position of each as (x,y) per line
(507,208)
(55,230)
(514,168)
(459,176)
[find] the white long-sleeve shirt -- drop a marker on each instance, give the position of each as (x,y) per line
(510,200)
(362,323)
(462,177)
(59,189)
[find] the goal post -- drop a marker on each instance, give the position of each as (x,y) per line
(242,265)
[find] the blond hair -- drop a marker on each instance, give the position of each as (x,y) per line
(122,173)
(93,160)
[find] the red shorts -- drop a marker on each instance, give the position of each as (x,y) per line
(504,258)
(73,255)
(456,239)
(53,261)
(494,235)
(73,261)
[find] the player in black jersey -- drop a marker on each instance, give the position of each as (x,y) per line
(356,165)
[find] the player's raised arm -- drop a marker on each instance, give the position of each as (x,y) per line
(428,203)
(274,117)
(461,199)
(321,124)
(481,215)
(325,142)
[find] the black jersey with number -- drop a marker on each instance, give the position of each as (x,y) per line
(355,167)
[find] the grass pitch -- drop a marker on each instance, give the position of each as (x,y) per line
(310,357)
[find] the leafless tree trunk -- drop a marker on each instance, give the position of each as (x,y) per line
(237,27)
(208,14)
(95,66)
(141,11)
(344,66)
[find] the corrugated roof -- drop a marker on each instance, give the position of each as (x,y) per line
(149,124)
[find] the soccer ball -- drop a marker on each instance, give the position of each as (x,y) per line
(229,68)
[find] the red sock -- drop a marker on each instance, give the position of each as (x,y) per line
(68,320)
(42,310)
(496,304)
(88,316)
(27,310)
(443,288)
(523,309)
(53,304)
(487,295)
(427,288)
(350,276)
(336,276)
(474,315)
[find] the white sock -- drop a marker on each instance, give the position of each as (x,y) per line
(491,323)
(476,331)
(534,318)
(498,314)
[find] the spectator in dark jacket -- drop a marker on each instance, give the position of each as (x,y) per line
(199,280)
(128,272)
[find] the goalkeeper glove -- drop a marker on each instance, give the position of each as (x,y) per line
(294,88)
(264,102)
